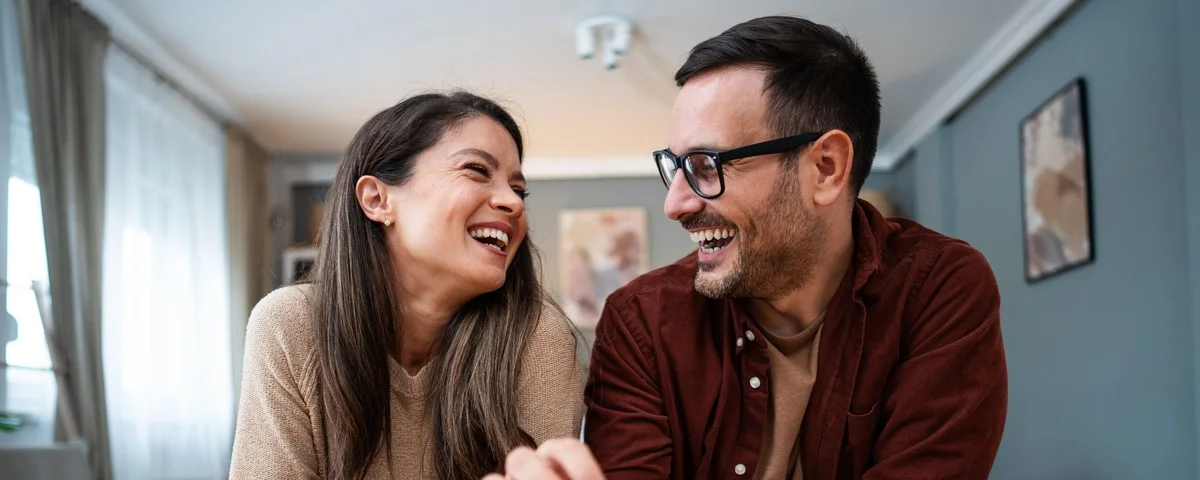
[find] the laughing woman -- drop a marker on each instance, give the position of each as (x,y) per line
(424,346)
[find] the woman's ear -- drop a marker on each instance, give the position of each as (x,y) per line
(372,195)
(834,157)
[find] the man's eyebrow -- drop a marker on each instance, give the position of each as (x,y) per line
(491,161)
(701,147)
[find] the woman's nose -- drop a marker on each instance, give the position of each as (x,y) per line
(509,202)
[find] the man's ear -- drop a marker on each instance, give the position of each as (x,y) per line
(833,156)
(372,195)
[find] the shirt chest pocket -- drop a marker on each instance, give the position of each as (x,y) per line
(860,440)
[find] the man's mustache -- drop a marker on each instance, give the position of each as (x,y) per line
(704,220)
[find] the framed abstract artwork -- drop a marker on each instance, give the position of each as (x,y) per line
(599,251)
(1056,191)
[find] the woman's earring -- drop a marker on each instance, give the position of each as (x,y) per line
(387,222)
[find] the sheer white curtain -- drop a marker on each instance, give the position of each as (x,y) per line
(167,354)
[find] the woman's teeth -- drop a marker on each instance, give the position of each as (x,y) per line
(490,237)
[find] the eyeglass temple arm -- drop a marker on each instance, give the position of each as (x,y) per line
(778,145)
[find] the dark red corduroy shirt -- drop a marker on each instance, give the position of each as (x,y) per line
(911,376)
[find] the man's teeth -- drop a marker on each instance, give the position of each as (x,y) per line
(491,233)
(713,234)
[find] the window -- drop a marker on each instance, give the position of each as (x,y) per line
(27,385)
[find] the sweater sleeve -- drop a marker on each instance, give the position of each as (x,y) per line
(274,436)
(550,395)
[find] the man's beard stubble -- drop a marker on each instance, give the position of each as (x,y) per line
(778,248)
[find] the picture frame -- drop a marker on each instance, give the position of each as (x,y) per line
(1056,189)
(599,251)
(308,212)
(298,263)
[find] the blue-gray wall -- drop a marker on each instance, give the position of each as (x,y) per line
(899,184)
(933,182)
(1189,53)
(1102,359)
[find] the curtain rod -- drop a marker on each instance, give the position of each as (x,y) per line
(170,82)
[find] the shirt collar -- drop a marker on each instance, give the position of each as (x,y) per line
(869,228)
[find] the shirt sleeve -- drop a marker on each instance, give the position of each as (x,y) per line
(626,426)
(947,400)
(274,437)
(551,384)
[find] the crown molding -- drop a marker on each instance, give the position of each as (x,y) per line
(579,168)
(1021,31)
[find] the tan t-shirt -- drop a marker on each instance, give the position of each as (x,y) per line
(281,435)
(793,367)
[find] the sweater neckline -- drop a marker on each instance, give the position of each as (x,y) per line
(410,386)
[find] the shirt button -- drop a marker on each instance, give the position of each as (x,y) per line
(749,335)
(739,469)
(739,341)
(755,382)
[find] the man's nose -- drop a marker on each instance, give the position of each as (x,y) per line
(681,201)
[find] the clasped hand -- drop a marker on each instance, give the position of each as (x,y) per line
(557,459)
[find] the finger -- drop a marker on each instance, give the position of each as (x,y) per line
(572,457)
(525,464)
(492,476)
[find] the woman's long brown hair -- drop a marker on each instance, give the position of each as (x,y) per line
(476,362)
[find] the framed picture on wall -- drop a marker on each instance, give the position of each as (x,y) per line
(599,251)
(1056,191)
(298,263)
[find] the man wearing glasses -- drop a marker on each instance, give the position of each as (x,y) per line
(808,336)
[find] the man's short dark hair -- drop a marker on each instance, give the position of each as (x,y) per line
(817,80)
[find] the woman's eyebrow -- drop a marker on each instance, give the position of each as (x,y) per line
(491,160)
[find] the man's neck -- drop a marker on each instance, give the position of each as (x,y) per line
(793,312)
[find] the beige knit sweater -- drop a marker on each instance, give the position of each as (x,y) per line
(280,435)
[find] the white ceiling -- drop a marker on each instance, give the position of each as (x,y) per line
(303,75)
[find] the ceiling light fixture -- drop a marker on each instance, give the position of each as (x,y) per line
(614,32)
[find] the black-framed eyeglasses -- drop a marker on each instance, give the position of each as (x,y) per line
(703,168)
